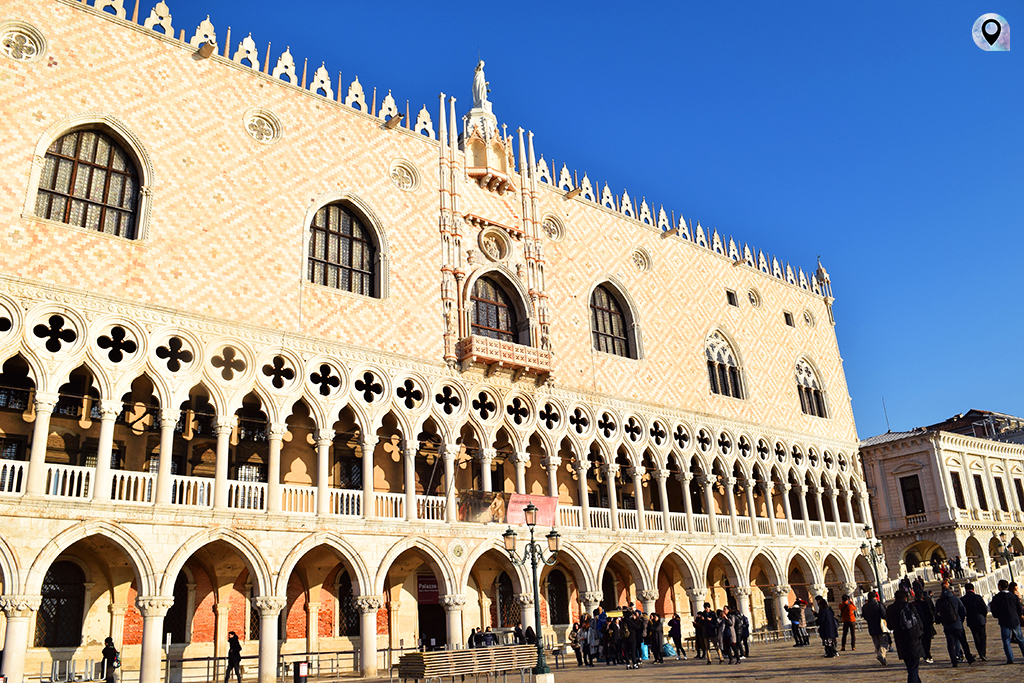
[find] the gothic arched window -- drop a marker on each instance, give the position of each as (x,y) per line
(508,606)
(558,598)
(723,370)
(342,251)
(609,323)
(59,621)
(494,315)
(90,181)
(812,400)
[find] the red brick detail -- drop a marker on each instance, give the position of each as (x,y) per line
(327,599)
(132,620)
(239,613)
(383,622)
(295,626)
(204,620)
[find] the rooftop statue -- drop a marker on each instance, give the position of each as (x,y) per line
(480,89)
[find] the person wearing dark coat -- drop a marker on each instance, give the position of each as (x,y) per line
(530,635)
(675,632)
(710,625)
(926,612)
(976,612)
(234,657)
(950,612)
(630,630)
(517,634)
(728,639)
(906,630)
(656,638)
(1006,607)
(873,612)
(109,655)
(796,620)
(828,627)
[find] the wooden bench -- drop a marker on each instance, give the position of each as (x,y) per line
(501,659)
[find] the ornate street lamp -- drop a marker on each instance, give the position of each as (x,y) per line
(1007,555)
(872,549)
(534,553)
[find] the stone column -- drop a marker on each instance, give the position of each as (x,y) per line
(649,596)
(819,589)
(449,452)
(223,427)
(781,595)
(833,494)
(662,476)
(35,480)
(730,496)
(324,440)
(802,490)
(748,487)
(551,464)
(609,471)
(849,588)
(275,434)
(708,482)
(865,508)
(520,459)
(684,479)
(222,611)
(592,600)
(453,605)
(769,504)
(848,500)
(18,609)
(526,609)
(697,597)
(786,506)
(367,445)
(270,607)
(638,494)
(742,595)
(153,610)
(368,606)
(409,463)
(109,410)
(818,491)
(164,483)
(581,476)
(485,456)
(117,621)
(393,607)
(312,627)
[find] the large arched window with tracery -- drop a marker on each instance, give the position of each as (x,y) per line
(723,370)
(608,323)
(812,400)
(494,315)
(342,251)
(59,620)
(90,181)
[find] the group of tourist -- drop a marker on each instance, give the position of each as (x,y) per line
(723,630)
(627,639)
(479,637)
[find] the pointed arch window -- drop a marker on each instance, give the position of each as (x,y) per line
(609,323)
(723,370)
(812,400)
(90,181)
(342,251)
(494,315)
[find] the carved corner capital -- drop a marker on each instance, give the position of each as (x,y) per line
(269,605)
(369,603)
(223,424)
(453,603)
(697,594)
(741,591)
(525,598)
(19,605)
(649,594)
(593,598)
(277,430)
(154,606)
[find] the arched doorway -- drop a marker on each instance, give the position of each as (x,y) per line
(721,577)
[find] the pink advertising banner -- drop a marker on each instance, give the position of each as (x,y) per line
(547,508)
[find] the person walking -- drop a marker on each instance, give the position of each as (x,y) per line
(906,629)
(743,633)
(675,632)
(950,612)
(828,628)
(575,642)
(656,638)
(848,617)
(234,657)
(699,644)
(730,634)
(1006,608)
(592,642)
(873,613)
(926,612)
(711,634)
(796,618)
(976,613)
(111,660)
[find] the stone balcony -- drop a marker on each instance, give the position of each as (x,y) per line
(496,354)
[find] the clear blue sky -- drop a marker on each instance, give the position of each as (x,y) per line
(875,134)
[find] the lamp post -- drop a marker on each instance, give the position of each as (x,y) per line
(871,548)
(534,554)
(1007,555)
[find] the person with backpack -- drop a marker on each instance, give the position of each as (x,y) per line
(950,612)
(906,629)
(976,612)
(873,612)
(796,619)
(111,660)
(1006,608)
(926,611)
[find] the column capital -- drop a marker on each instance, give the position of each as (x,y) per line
(110,409)
(45,401)
(269,605)
(610,469)
(369,603)
(593,598)
(449,451)
(524,598)
(800,488)
(410,447)
(748,483)
(765,487)
(367,441)
(637,471)
(169,418)
(119,610)
(705,480)
(518,458)
(661,474)
(833,493)
(485,455)
(849,588)
(154,605)
(781,590)
(223,424)
(19,605)
(649,594)
(453,603)
(819,589)
(551,462)
(684,477)
(581,466)
(741,591)
(729,481)
(697,594)
(276,430)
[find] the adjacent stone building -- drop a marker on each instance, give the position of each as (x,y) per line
(278,354)
(948,490)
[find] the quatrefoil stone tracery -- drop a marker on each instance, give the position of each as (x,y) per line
(448,400)
(175,353)
(369,387)
(118,344)
(607,425)
(279,372)
(228,362)
(410,394)
(549,416)
(517,411)
(56,333)
(484,406)
(579,421)
(326,380)
(19,45)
